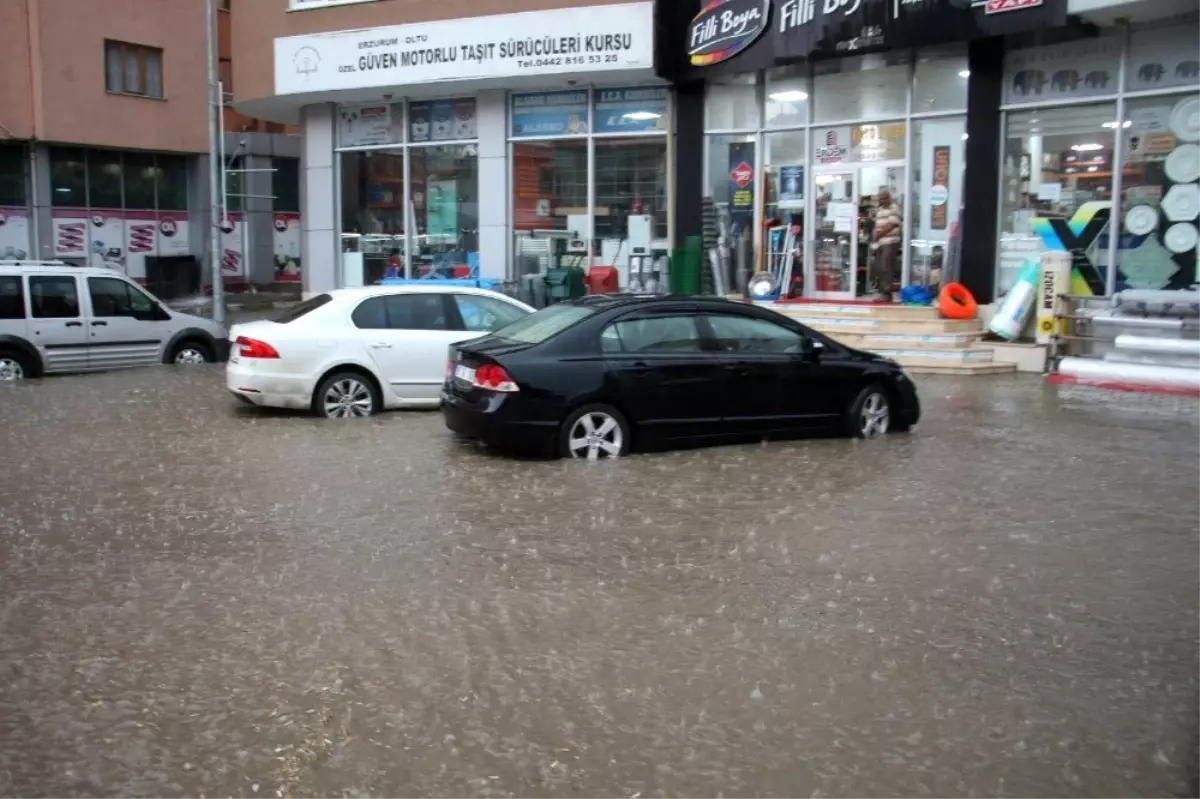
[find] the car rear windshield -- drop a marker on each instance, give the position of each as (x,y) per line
(296,311)
(545,324)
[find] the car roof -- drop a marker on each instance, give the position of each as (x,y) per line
(404,288)
(610,301)
(50,266)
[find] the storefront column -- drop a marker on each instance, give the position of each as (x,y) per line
(495,240)
(319,250)
(41,225)
(985,59)
(689,152)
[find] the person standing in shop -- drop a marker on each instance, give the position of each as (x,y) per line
(885,241)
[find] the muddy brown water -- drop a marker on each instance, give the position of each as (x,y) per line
(196,598)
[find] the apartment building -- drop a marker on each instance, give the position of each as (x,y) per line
(104,142)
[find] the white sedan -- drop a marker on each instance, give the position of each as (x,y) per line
(354,352)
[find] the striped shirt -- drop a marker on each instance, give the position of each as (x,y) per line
(888,215)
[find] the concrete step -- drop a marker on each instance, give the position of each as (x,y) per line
(858,310)
(967,369)
(938,357)
(937,341)
(869,326)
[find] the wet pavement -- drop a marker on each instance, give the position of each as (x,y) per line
(198,598)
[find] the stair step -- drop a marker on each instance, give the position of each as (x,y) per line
(965,369)
(867,326)
(917,340)
(858,310)
(938,357)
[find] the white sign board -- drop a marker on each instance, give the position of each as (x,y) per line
(589,39)
(305,5)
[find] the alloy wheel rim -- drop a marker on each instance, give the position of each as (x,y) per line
(875,415)
(10,370)
(595,436)
(348,399)
(190,355)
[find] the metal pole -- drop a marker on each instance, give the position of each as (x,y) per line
(214,166)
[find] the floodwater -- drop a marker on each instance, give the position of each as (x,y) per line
(200,599)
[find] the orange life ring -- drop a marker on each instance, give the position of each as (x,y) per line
(955,302)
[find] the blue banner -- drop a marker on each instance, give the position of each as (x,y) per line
(791,186)
(633,110)
(550,114)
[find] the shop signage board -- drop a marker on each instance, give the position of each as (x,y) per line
(939,192)
(724,28)
(634,110)
(173,236)
(550,114)
(14,234)
(589,39)
(1065,71)
(741,186)
(791,186)
(141,241)
(233,259)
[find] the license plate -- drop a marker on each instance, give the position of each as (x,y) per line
(464,373)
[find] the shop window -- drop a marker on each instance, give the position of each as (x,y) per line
(864,87)
(285,184)
(940,80)
(12,175)
(373,209)
(787,97)
(785,177)
(1056,176)
(631,181)
(104,179)
(1065,71)
(139,175)
(859,143)
(1163,57)
(1160,193)
(638,109)
(550,114)
(731,181)
(550,192)
(68,177)
(441,120)
(172,172)
(133,69)
(731,104)
(939,156)
(445,207)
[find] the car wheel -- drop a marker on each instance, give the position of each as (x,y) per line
(187,353)
(870,414)
(13,367)
(594,432)
(346,395)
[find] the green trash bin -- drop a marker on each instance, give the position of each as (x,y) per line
(564,283)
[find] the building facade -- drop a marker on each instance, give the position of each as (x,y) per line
(494,138)
(1000,129)
(104,142)
(501,138)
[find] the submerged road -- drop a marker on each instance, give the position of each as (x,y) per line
(202,599)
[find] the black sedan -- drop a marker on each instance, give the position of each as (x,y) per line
(602,375)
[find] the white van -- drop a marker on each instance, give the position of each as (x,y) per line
(60,318)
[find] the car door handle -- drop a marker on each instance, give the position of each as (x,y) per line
(98,324)
(74,324)
(741,368)
(380,345)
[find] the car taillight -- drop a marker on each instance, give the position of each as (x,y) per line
(253,348)
(493,378)
(450,370)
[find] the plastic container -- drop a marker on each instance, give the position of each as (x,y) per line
(1012,316)
(603,280)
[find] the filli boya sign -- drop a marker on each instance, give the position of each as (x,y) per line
(724,28)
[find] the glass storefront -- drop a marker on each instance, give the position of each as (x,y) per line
(843,180)
(1110,175)
(409,190)
(589,178)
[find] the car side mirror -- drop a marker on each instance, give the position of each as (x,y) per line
(810,349)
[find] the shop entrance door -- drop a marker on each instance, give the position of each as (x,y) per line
(834,268)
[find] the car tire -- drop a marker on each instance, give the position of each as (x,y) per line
(14,366)
(346,395)
(191,352)
(869,416)
(594,432)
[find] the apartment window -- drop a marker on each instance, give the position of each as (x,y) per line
(133,69)
(12,175)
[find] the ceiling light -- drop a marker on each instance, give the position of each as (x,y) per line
(1113,125)
(641,116)
(1093,168)
(1034,130)
(964,137)
(1087,148)
(964,73)
(790,96)
(1034,121)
